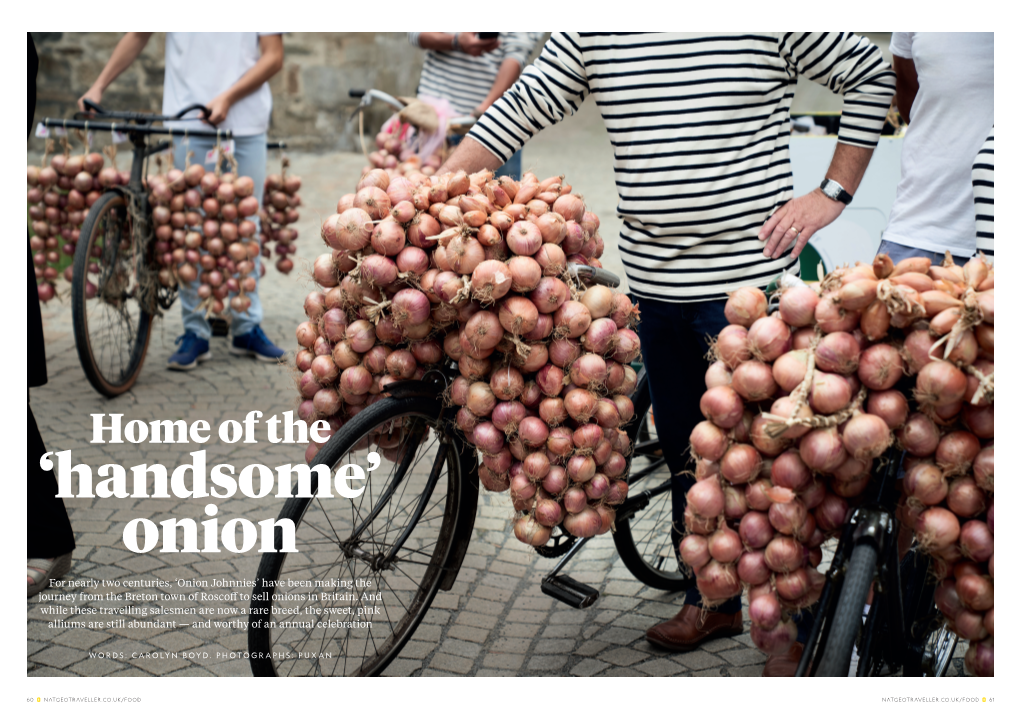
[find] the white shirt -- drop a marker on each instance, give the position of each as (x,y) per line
(200,66)
(950,117)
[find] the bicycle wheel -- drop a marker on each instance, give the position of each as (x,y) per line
(395,536)
(931,643)
(644,523)
(111,327)
(849,610)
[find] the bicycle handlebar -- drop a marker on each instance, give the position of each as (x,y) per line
(588,275)
(96,112)
(144,129)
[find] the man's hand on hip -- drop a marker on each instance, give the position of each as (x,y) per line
(471,44)
(797,221)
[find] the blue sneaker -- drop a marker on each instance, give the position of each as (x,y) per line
(256,344)
(190,350)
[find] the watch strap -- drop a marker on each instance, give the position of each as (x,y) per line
(834,190)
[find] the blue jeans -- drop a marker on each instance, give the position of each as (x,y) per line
(898,252)
(511,167)
(673,346)
(250,153)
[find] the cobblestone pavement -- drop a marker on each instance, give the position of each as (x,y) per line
(495,620)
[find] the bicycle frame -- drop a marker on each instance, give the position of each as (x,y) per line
(875,524)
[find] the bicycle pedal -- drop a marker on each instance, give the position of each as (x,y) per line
(566,590)
(220,327)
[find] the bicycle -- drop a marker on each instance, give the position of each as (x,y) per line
(115,291)
(903,628)
(408,532)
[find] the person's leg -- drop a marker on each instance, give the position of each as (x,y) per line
(49,528)
(673,349)
(511,167)
(707,319)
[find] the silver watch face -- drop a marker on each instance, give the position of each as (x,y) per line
(831,189)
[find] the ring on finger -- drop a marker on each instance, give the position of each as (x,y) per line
(795,231)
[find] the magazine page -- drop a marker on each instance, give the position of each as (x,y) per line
(511,354)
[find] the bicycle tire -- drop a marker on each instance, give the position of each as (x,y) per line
(654,564)
(337,451)
(846,623)
(106,380)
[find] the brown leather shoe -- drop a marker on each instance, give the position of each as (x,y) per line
(784,664)
(692,626)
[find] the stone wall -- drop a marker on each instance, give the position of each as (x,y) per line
(311,106)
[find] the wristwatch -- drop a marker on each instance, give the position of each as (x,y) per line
(834,190)
(456,42)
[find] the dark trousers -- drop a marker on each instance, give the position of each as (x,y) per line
(673,346)
(49,528)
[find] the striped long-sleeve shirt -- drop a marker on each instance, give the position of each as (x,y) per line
(466,80)
(700,127)
(983,180)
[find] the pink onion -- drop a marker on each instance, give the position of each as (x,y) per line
(937,529)
(822,450)
(724,545)
(731,346)
(717,581)
(768,338)
(829,393)
(705,498)
(745,306)
(866,436)
(549,295)
(753,381)
(571,319)
(797,306)
(694,551)
(722,406)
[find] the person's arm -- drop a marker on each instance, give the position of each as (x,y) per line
(268,65)
(518,47)
(853,67)
(468,43)
(548,91)
(129,48)
(509,71)
(906,85)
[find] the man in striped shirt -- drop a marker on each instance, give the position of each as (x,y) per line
(983,182)
(700,126)
(473,72)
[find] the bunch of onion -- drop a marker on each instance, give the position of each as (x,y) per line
(392,156)
(473,267)
(176,201)
(896,354)
(59,197)
(278,215)
(950,507)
